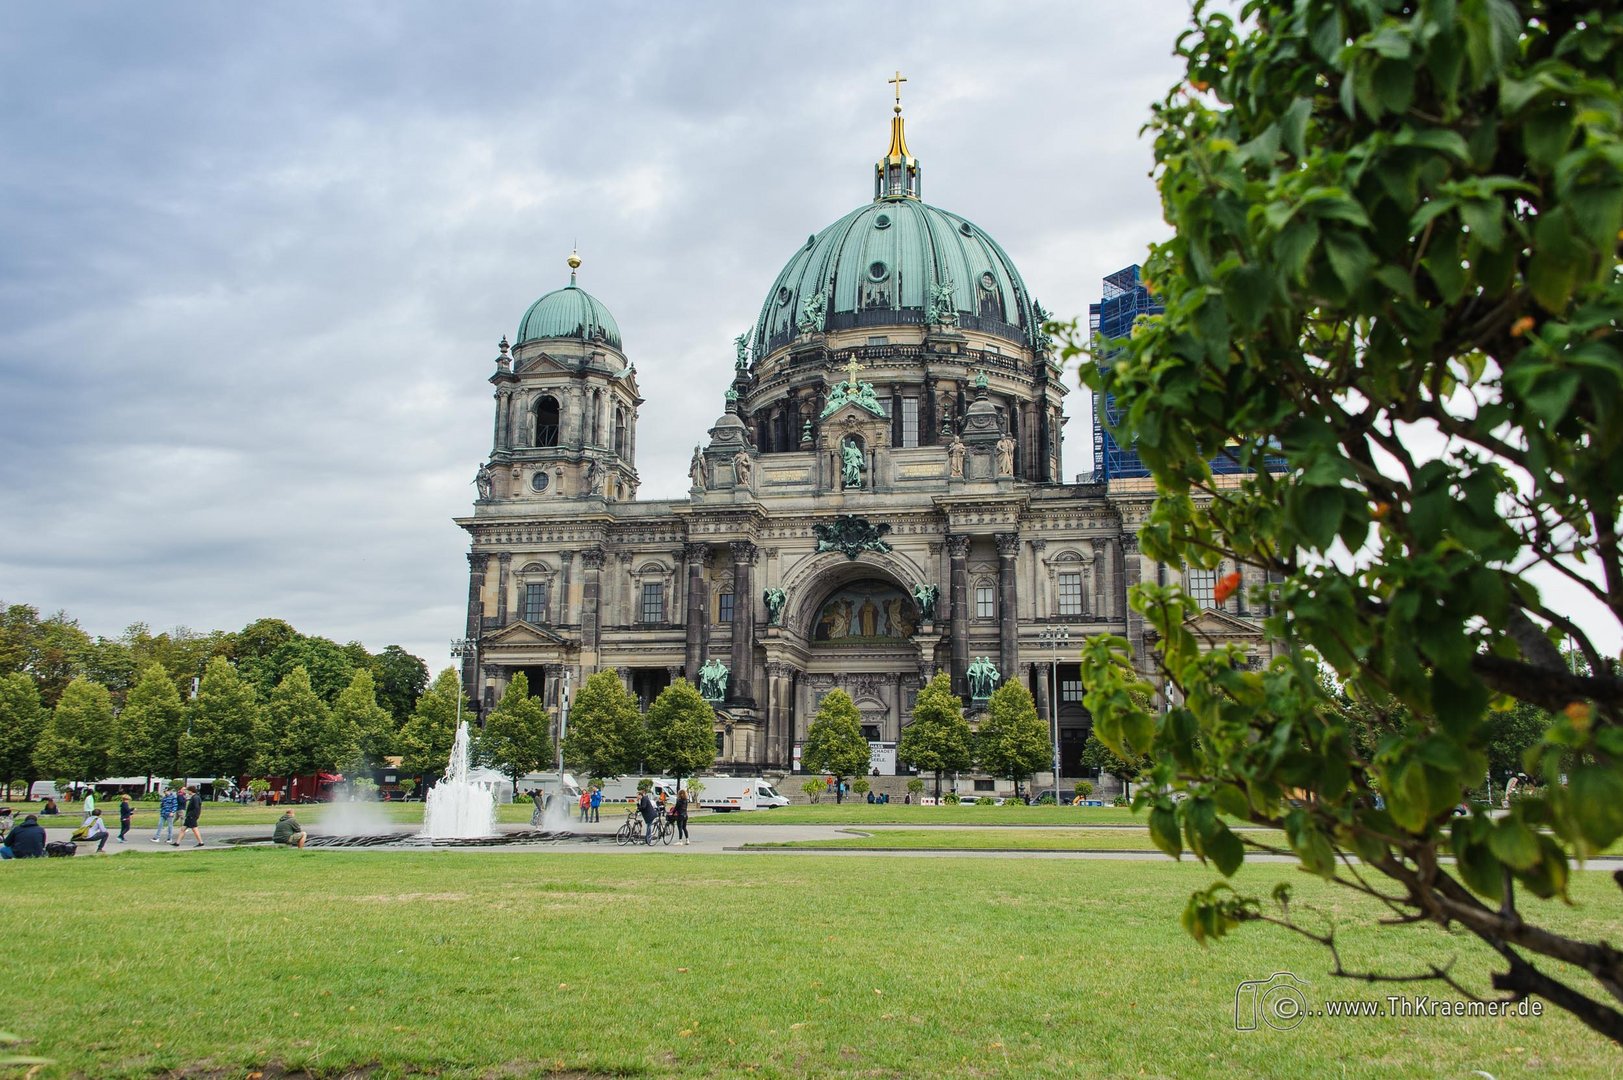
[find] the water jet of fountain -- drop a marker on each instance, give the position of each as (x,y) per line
(458,808)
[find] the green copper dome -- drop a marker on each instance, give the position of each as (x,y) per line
(883,265)
(569,312)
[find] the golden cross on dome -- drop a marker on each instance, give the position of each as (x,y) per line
(853,367)
(897,82)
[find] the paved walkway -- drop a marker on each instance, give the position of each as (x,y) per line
(727,839)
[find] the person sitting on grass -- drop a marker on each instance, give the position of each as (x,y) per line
(288,831)
(25,841)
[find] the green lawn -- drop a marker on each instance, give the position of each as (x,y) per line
(862,813)
(1117,839)
(670,963)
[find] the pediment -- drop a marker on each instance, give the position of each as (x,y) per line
(523,633)
(1216,623)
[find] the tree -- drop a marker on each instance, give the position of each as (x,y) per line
(365,722)
(21,719)
(299,735)
(834,742)
(681,732)
(425,741)
(1388,219)
(400,679)
(75,739)
(51,651)
(938,740)
(1096,755)
(222,724)
(605,728)
(517,738)
(146,740)
(1013,740)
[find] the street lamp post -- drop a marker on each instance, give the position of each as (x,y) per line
(563,726)
(460,648)
(1053,639)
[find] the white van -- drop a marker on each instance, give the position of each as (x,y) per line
(727,793)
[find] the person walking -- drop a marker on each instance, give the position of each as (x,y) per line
(168,809)
(585,806)
(681,815)
(647,808)
(126,813)
(597,801)
(194,812)
(90,803)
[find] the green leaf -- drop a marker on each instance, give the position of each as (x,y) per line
(1349,257)
(1514,844)
(1225,850)
(1597,803)
(1164,830)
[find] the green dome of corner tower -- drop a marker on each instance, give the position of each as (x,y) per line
(569,312)
(887,264)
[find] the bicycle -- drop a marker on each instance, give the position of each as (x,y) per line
(664,830)
(631,831)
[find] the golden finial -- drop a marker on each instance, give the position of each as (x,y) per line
(574,261)
(897,81)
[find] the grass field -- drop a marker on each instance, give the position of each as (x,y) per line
(676,964)
(999,839)
(861,813)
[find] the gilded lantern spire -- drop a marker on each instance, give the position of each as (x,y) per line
(574,263)
(896,176)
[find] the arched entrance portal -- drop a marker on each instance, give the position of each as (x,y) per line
(858,632)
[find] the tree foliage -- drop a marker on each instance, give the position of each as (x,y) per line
(834,742)
(299,734)
(681,732)
(75,740)
(146,739)
(400,679)
(425,740)
(1394,280)
(1013,740)
(358,713)
(605,733)
(938,740)
(517,737)
(21,719)
(222,724)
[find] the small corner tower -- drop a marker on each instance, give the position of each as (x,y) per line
(566,405)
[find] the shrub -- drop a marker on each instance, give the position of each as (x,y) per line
(814,788)
(1122,800)
(1084,789)
(915,787)
(860,786)
(950,799)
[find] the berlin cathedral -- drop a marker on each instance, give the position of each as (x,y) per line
(881,500)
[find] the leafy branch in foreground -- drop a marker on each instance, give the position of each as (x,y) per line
(1393,296)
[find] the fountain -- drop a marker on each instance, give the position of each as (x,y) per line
(458,808)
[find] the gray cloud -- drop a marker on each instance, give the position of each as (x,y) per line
(254,260)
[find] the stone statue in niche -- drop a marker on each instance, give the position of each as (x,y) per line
(482,481)
(1005,456)
(926,597)
(775,600)
(713,681)
(696,470)
(743,468)
(983,677)
(852,464)
(955,458)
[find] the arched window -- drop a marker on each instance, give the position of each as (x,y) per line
(597,418)
(546,421)
(619,431)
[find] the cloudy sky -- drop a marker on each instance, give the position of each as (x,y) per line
(255,259)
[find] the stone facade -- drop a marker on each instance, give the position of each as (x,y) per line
(864,461)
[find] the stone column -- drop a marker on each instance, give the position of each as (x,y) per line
(958,553)
(1042,692)
(566,561)
(777,711)
(476,586)
(498,438)
(744,555)
(1041,602)
(698,556)
(1008,547)
(896,414)
(590,598)
(1131,571)
(1101,583)
(929,424)
(504,560)
(624,602)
